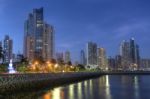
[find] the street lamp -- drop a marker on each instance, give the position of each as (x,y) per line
(56,65)
(36,63)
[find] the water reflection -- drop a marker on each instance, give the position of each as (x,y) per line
(56,93)
(108,88)
(104,87)
(47,96)
(136,87)
(71,91)
(84,90)
(80,90)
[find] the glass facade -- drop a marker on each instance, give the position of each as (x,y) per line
(8,46)
(39,37)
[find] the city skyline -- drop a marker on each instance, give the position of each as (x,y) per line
(121,23)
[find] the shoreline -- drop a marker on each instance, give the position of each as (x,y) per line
(30,82)
(10,83)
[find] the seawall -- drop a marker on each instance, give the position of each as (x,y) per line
(33,81)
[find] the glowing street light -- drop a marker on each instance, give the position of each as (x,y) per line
(47,62)
(56,65)
(36,63)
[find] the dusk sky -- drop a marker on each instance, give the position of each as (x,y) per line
(106,22)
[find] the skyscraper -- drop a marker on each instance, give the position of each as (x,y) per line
(111,63)
(118,62)
(8,48)
(102,61)
(145,64)
(137,51)
(92,55)
(134,52)
(38,37)
(82,58)
(29,40)
(60,57)
(125,54)
(67,57)
(129,52)
(48,42)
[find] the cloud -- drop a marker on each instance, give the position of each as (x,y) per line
(131,29)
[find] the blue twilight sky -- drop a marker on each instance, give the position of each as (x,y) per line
(76,22)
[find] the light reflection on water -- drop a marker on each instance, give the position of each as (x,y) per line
(107,87)
(79,90)
(83,90)
(104,87)
(136,87)
(71,92)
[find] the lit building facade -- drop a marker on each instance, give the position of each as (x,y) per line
(125,54)
(48,42)
(8,49)
(101,59)
(38,37)
(118,62)
(111,63)
(134,53)
(145,64)
(129,52)
(92,55)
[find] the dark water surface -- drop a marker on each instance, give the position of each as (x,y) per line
(104,87)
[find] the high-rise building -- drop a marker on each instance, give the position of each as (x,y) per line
(137,51)
(82,58)
(134,52)
(38,37)
(67,57)
(129,52)
(111,63)
(145,64)
(92,55)
(59,57)
(118,62)
(101,59)
(8,49)
(48,42)
(125,54)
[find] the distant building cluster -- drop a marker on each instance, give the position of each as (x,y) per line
(96,57)
(145,64)
(6,51)
(130,55)
(128,59)
(63,57)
